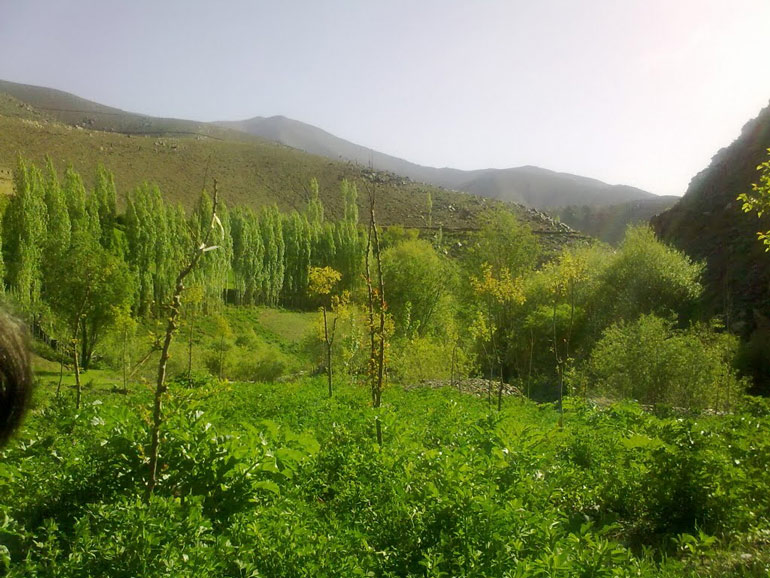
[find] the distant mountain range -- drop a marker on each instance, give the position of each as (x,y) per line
(180,156)
(531,186)
(528,185)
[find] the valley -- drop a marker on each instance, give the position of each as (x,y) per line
(253,357)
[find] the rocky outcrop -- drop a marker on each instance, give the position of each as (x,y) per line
(708,223)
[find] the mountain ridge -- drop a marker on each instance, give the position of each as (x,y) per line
(252,172)
(528,184)
(532,186)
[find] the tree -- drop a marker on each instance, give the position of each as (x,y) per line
(105,200)
(377,308)
(417,280)
(175,306)
(504,242)
(758,200)
(322,281)
(218,361)
(492,326)
(646,276)
(87,286)
(568,272)
(24,233)
(126,326)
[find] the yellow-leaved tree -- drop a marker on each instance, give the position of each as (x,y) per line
(321,284)
(497,294)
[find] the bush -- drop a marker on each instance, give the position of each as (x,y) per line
(420,358)
(652,362)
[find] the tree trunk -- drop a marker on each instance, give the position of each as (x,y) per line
(161,387)
(377,334)
(84,357)
(125,360)
(328,352)
(189,351)
(500,391)
(452,370)
(78,386)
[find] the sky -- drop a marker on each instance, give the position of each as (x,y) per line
(636,92)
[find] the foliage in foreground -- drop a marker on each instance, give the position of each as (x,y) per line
(277,480)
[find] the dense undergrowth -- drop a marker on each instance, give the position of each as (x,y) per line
(278,480)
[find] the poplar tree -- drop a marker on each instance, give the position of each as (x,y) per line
(349,244)
(212,275)
(24,229)
(315,208)
(106,203)
(272,238)
(140,235)
(58,227)
(75,197)
(247,255)
(297,254)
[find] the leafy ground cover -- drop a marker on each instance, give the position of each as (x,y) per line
(265,479)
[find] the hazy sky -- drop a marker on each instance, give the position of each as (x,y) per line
(639,92)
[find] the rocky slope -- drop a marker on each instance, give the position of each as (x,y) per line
(708,224)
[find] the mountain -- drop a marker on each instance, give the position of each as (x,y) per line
(528,185)
(178,155)
(75,111)
(708,223)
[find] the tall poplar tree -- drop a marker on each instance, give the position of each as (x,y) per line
(24,229)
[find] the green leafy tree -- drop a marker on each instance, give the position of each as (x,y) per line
(322,281)
(74,193)
(315,209)
(504,242)
(58,226)
(492,326)
(105,201)
(418,281)
(125,326)
(88,285)
(271,227)
(567,273)
(248,255)
(646,276)
(24,235)
(297,255)
(223,344)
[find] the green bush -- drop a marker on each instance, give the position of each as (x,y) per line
(421,358)
(651,361)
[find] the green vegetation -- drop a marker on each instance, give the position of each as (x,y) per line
(280,480)
(298,437)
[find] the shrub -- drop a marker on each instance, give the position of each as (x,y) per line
(420,358)
(652,362)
